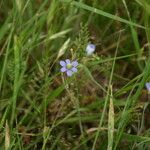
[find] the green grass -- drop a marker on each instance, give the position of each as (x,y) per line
(105,105)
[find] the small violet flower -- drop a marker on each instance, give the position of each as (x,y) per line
(90,49)
(68,67)
(148,86)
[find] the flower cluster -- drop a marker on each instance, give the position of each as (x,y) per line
(71,67)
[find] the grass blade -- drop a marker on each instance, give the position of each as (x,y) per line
(102,13)
(110,122)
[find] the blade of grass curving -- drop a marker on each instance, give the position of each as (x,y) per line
(92,78)
(134,37)
(103,13)
(4,28)
(146,22)
(111,59)
(5,60)
(132,83)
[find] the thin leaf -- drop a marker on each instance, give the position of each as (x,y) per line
(110,123)
(103,13)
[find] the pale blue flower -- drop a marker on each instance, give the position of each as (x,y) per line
(90,49)
(68,66)
(148,86)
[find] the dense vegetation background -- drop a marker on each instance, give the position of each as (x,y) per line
(105,105)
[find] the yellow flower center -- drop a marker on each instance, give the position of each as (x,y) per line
(69,66)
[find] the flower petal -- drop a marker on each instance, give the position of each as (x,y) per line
(74,69)
(75,63)
(148,86)
(63,69)
(90,49)
(69,73)
(63,63)
(67,61)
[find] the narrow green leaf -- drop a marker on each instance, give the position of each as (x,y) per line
(102,13)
